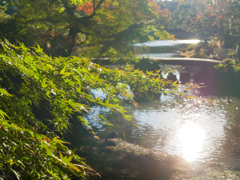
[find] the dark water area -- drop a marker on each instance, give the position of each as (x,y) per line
(201,129)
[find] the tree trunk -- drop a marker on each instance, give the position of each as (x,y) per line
(63,45)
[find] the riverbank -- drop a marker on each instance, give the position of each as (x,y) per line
(118,159)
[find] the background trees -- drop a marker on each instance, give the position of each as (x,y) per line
(209,19)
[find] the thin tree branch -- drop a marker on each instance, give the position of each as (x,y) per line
(95,9)
(68,8)
(121,35)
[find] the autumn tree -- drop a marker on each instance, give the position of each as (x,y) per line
(98,27)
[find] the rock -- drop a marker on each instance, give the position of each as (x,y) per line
(132,162)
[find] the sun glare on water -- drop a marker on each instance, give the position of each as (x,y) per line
(191,138)
(190,41)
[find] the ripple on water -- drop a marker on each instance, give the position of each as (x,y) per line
(192,130)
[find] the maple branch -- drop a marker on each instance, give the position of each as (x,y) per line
(119,36)
(68,8)
(95,8)
(99,4)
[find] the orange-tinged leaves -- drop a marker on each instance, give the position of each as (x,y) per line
(212,14)
(87,8)
(198,17)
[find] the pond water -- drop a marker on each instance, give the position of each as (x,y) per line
(199,130)
(162,48)
(202,129)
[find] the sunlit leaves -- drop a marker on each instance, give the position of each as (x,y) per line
(4,92)
(79,2)
(26,148)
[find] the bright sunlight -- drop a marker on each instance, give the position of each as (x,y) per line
(191,137)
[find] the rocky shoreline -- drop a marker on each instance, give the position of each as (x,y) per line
(118,159)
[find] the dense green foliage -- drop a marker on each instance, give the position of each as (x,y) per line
(39,97)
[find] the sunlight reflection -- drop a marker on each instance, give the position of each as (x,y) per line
(191,137)
(190,41)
